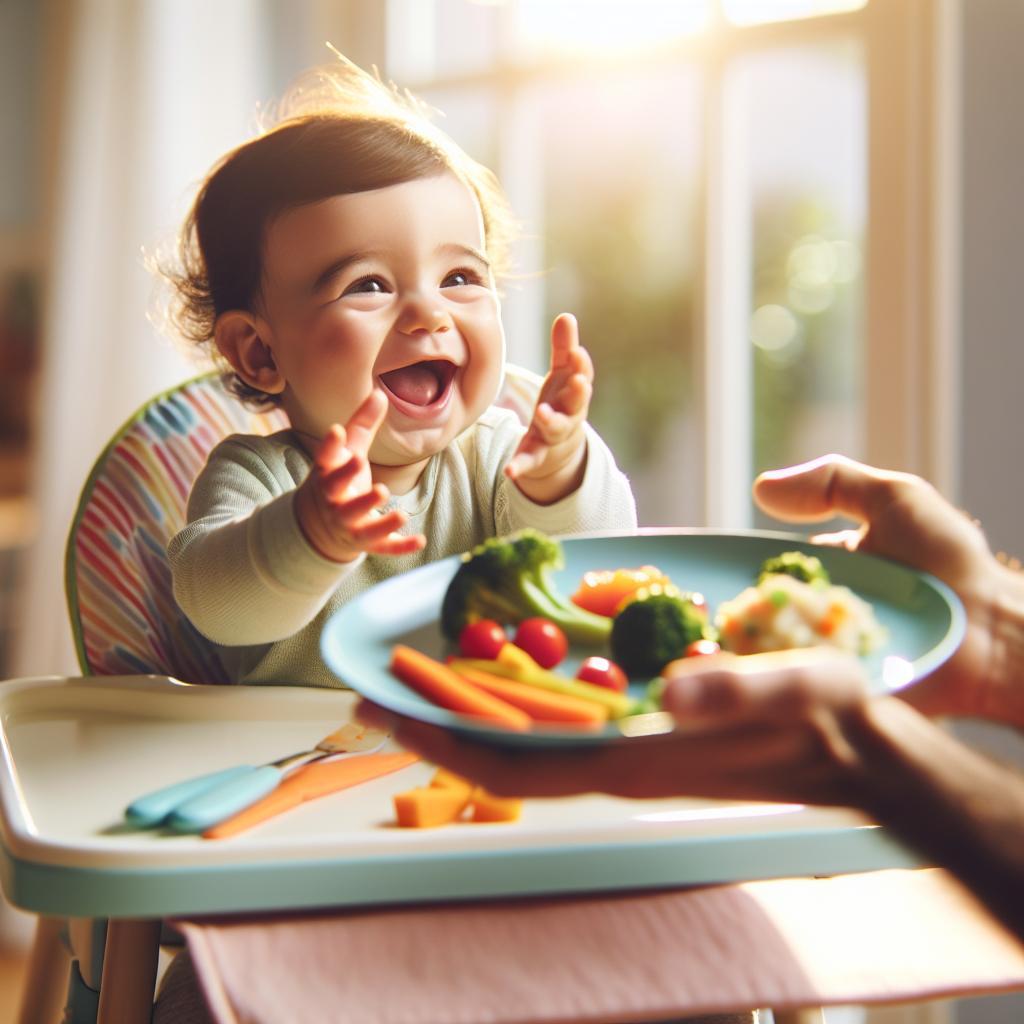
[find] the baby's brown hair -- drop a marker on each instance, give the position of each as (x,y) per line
(337,131)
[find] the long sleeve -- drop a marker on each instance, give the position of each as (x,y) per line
(243,572)
(247,578)
(603,501)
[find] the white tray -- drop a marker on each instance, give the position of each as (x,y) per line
(76,751)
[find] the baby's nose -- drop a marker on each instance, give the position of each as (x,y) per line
(422,314)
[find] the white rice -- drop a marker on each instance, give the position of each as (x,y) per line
(782,612)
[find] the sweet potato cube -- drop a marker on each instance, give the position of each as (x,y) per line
(488,807)
(429,806)
(445,779)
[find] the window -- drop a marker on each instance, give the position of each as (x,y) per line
(735,197)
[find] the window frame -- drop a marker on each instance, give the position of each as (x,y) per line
(911,415)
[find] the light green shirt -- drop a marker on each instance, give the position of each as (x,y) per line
(251,583)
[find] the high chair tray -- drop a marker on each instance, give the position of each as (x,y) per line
(76,751)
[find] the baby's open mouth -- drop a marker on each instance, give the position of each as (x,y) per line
(420,383)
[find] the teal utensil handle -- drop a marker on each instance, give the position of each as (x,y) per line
(152,808)
(221,801)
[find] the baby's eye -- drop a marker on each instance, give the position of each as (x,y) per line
(366,286)
(462,277)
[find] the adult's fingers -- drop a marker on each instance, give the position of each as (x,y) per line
(778,686)
(828,486)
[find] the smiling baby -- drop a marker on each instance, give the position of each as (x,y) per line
(342,266)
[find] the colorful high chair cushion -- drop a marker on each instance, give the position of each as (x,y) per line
(118,582)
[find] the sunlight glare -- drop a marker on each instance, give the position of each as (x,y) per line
(607,26)
(756,12)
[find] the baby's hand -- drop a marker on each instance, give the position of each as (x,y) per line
(552,456)
(336,504)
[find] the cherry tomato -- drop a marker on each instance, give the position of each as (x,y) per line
(482,639)
(699,647)
(602,672)
(542,640)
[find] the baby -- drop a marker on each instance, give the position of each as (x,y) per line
(343,266)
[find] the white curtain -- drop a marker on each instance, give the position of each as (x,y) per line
(154,91)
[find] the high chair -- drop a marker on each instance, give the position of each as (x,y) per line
(125,622)
(123,614)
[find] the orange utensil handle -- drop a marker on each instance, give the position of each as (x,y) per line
(308,783)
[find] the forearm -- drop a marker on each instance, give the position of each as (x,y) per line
(1003,693)
(957,808)
(253,580)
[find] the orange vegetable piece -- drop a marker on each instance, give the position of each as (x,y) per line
(832,620)
(488,807)
(445,800)
(603,591)
(309,783)
(541,705)
(445,779)
(438,683)
(429,806)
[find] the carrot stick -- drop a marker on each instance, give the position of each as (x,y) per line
(438,683)
(540,705)
(308,783)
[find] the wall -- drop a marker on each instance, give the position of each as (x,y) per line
(992,478)
(992,357)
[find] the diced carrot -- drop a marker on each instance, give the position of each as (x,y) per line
(438,683)
(488,807)
(541,705)
(832,619)
(429,806)
(445,779)
(445,800)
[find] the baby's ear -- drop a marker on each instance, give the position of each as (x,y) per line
(239,338)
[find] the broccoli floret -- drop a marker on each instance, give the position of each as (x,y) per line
(803,567)
(509,579)
(656,627)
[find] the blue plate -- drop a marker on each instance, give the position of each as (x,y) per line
(923,618)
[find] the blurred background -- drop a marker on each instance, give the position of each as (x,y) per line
(786,227)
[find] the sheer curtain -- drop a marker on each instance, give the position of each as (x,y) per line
(154,92)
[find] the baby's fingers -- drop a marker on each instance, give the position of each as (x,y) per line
(573,398)
(550,425)
(336,482)
(332,450)
(523,463)
(364,423)
(380,535)
(400,544)
(565,339)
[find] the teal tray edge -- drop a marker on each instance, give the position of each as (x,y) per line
(316,884)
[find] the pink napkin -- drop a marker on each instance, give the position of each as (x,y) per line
(886,936)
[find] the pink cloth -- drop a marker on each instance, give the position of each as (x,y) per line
(886,936)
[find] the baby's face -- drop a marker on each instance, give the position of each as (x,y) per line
(387,289)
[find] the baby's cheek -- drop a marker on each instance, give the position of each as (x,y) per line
(480,384)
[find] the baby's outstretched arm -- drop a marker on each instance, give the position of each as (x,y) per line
(336,504)
(551,459)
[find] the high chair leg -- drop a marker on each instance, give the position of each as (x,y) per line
(46,978)
(128,982)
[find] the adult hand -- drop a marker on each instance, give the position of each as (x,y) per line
(776,727)
(904,518)
(336,505)
(551,458)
